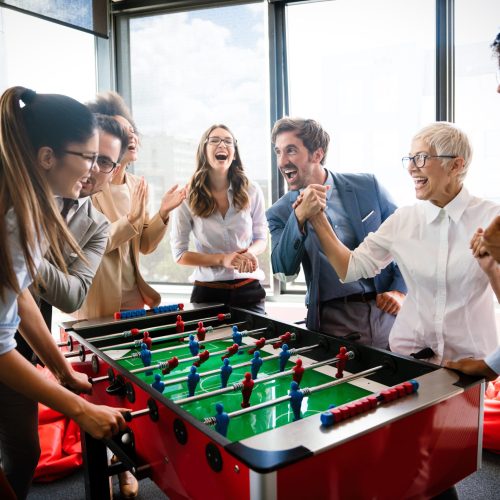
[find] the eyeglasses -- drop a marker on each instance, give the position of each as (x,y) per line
(420,159)
(105,164)
(228,141)
(92,157)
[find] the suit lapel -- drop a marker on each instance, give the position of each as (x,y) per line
(103,201)
(80,224)
(351,205)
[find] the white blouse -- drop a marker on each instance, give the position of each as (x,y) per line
(216,234)
(449,306)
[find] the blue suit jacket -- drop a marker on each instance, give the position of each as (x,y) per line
(361,195)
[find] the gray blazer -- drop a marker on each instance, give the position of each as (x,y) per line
(68,291)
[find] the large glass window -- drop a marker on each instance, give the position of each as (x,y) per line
(45,56)
(477,104)
(190,70)
(365,69)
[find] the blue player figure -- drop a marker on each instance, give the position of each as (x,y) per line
(193,379)
(296,397)
(145,355)
(194,345)
(221,420)
(237,337)
(158,384)
(256,364)
(225,372)
(284,357)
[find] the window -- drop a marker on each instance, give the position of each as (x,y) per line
(52,59)
(365,69)
(477,104)
(190,70)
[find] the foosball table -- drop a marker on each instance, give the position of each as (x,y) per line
(225,403)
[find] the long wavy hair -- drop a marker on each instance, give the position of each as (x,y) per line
(201,200)
(50,120)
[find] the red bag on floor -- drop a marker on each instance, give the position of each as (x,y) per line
(61,449)
(491,432)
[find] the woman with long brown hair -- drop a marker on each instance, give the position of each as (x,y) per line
(225,213)
(48,145)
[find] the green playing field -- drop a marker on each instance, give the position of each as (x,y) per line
(251,423)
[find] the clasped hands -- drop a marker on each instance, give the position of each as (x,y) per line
(311,202)
(243,261)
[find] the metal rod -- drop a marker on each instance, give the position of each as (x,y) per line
(238,385)
(240,365)
(306,391)
(156,340)
(155,328)
(194,358)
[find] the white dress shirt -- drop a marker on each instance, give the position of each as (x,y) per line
(449,306)
(237,230)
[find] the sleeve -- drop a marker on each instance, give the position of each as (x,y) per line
(387,208)
(67,292)
(287,243)
(493,361)
(120,232)
(182,223)
(259,223)
(373,254)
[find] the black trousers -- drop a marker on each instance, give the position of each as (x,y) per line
(250,296)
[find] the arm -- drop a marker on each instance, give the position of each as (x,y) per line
(388,207)
(477,367)
(487,263)
(36,333)
(20,375)
(287,241)
(337,253)
(67,292)
(154,229)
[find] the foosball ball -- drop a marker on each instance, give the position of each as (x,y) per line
(225,403)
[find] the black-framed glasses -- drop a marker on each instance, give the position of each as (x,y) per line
(91,157)
(420,159)
(215,141)
(105,164)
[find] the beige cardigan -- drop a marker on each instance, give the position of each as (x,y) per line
(105,296)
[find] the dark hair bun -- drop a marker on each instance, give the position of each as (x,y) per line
(27,96)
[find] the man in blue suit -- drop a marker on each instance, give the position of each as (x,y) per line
(355,204)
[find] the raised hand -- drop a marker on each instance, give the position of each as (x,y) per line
(138,202)
(172,198)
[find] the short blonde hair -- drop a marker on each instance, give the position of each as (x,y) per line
(446,138)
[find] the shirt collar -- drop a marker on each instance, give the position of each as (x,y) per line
(454,209)
(80,202)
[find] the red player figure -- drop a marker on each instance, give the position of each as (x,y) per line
(283,339)
(258,345)
(248,384)
(179,324)
(181,307)
(202,357)
(342,360)
(230,351)
(147,340)
(171,364)
(201,331)
(135,331)
(298,371)
(221,316)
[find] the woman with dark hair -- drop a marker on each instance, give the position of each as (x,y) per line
(48,145)
(133,231)
(225,213)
